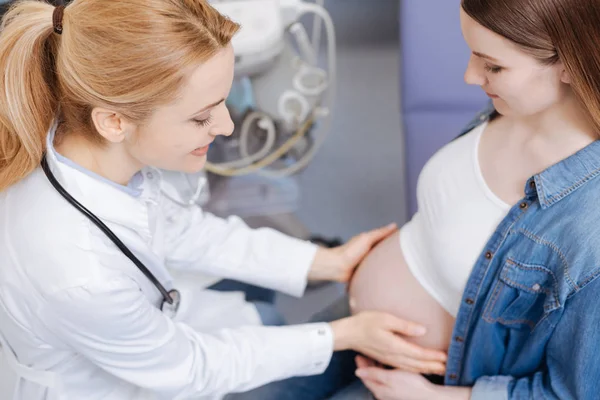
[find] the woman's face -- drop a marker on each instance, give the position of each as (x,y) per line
(177,136)
(516,82)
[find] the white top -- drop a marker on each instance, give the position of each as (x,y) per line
(73,305)
(457,214)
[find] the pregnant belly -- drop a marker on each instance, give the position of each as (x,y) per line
(383,282)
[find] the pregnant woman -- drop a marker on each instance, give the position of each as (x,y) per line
(501,262)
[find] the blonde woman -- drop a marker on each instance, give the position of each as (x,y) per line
(102,94)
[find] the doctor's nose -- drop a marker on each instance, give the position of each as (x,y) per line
(223,125)
(474,75)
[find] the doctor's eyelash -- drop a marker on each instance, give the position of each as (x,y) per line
(203,122)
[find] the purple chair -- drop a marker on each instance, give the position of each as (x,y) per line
(436,102)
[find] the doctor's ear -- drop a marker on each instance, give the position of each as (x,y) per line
(111,125)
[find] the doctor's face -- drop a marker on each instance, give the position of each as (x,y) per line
(517,83)
(177,136)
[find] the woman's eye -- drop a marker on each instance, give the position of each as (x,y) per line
(203,122)
(494,69)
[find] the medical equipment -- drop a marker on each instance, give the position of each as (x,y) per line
(300,107)
(171,299)
(260,40)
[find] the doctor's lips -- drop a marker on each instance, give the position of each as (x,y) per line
(201,151)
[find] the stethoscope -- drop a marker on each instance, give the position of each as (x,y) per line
(172,298)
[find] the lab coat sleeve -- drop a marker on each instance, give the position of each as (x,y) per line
(228,248)
(115,327)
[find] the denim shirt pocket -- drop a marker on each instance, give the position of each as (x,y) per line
(524,295)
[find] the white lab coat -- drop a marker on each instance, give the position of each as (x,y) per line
(74,309)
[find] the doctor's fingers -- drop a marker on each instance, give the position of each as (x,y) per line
(402,347)
(376,235)
(396,352)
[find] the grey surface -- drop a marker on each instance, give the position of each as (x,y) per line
(357,180)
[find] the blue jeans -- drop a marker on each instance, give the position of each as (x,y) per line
(339,376)
(253,293)
(261,298)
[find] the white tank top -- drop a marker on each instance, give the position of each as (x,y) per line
(457,214)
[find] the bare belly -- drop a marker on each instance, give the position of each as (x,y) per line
(383,282)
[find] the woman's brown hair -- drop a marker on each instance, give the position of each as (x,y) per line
(552,31)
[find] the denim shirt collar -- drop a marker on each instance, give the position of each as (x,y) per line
(565,177)
(561,179)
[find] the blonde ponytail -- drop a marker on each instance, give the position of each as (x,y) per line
(28,97)
(130,56)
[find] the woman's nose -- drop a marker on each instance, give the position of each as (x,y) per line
(474,75)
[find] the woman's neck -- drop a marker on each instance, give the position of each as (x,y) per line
(564,123)
(110,161)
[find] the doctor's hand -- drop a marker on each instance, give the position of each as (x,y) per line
(380,336)
(394,384)
(338,264)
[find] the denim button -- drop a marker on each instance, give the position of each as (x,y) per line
(453,377)
(536,287)
(470,301)
(488,255)
(523,205)
(482,117)
(459,339)
(532,184)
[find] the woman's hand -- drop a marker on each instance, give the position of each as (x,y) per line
(338,264)
(380,337)
(394,384)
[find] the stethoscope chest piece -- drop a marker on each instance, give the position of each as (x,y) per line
(170,309)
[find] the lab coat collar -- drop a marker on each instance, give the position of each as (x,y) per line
(108,201)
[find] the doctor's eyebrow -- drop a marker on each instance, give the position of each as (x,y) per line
(208,106)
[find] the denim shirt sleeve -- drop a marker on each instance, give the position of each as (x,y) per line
(572,368)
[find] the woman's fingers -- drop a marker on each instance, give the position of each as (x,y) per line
(417,366)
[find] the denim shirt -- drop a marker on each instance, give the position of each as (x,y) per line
(529,322)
